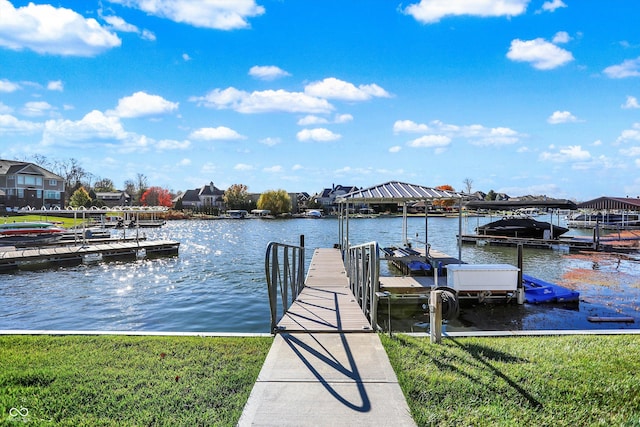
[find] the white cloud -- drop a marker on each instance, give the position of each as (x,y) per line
(628,68)
(409,126)
(395,149)
(243,167)
(312,120)
(267,72)
(332,88)
(94,125)
(184,162)
(573,153)
(317,134)
(36,108)
(629,135)
(49,30)
(559,117)
(540,53)
(431,11)
(55,85)
(632,102)
(7,86)
(217,14)
(561,37)
(186,57)
(551,6)
(343,118)
(216,134)
(142,104)
(10,125)
(297,167)
(119,24)
(264,101)
(430,141)
(269,141)
(273,169)
(476,134)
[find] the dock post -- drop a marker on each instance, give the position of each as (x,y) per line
(520,286)
(435,317)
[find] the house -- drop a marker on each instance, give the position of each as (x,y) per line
(114,198)
(206,196)
(328,196)
(25,184)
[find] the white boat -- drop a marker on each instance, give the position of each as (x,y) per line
(27,233)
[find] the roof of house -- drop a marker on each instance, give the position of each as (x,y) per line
(12,167)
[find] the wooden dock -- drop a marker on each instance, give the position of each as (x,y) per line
(69,255)
(566,244)
(325,367)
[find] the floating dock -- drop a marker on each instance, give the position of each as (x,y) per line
(563,244)
(70,255)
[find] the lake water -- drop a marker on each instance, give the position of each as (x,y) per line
(217,282)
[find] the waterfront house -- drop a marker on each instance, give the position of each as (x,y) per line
(114,198)
(328,196)
(25,184)
(204,197)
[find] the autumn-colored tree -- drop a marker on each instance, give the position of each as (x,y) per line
(79,198)
(156,196)
(445,203)
(236,197)
(277,201)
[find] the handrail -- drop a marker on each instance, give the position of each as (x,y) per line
(363,270)
(284,267)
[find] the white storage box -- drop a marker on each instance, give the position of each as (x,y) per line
(482,277)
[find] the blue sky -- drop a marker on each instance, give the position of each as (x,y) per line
(520,96)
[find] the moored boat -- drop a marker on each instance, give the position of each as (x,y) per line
(523,227)
(29,233)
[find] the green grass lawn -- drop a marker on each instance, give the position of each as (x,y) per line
(190,381)
(520,381)
(120,380)
(63,221)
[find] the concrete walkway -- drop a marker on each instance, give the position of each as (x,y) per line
(326,368)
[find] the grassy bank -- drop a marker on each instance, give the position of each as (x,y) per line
(119,380)
(63,221)
(516,381)
(520,381)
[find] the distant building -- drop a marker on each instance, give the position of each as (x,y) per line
(328,196)
(114,198)
(206,196)
(25,184)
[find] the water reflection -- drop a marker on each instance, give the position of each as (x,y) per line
(217,283)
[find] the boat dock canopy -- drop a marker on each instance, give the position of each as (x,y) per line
(499,205)
(395,191)
(617,203)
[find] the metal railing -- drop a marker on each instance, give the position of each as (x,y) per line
(284,267)
(362,263)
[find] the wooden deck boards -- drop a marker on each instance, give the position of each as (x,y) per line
(326,304)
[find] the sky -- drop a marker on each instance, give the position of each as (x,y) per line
(524,97)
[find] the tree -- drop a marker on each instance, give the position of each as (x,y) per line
(491,195)
(277,201)
(468,183)
(104,185)
(79,198)
(156,196)
(236,197)
(445,203)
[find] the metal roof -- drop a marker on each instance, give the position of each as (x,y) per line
(395,191)
(514,204)
(617,203)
